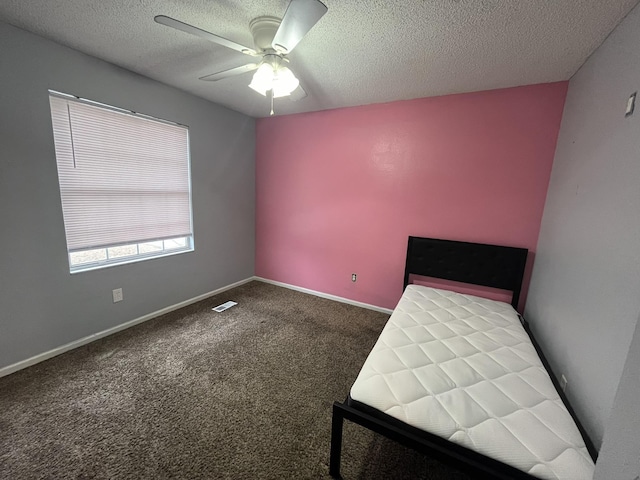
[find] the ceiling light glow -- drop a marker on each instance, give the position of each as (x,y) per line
(280,79)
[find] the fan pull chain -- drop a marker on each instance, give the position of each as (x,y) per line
(271,95)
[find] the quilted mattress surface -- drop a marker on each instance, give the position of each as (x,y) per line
(463,368)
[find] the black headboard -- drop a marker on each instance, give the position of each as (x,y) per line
(474,263)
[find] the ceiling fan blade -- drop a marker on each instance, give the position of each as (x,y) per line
(300,17)
(185,27)
(214,77)
(298,94)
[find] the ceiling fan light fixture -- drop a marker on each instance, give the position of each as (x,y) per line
(280,79)
(262,79)
(284,82)
(273,39)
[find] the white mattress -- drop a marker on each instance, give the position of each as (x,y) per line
(463,368)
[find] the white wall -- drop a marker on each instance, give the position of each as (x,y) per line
(42,306)
(620,454)
(584,297)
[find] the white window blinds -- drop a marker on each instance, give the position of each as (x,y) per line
(124,178)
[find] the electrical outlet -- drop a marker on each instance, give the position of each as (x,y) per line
(563,383)
(354,277)
(117,295)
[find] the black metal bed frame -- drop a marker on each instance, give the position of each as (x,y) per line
(473,263)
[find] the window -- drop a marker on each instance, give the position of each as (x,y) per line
(124,183)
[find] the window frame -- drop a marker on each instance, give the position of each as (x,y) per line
(76,266)
(125,259)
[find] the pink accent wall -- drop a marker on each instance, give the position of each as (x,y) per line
(339,191)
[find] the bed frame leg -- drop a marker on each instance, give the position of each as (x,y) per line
(336,441)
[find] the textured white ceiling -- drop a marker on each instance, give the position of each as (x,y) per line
(360,52)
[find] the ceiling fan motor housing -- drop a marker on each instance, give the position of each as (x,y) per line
(263,29)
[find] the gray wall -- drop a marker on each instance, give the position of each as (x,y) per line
(620,454)
(42,306)
(584,297)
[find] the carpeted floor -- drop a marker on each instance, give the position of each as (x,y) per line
(242,394)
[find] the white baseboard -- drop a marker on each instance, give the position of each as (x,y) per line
(83,341)
(325,295)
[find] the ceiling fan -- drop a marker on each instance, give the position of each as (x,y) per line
(274,39)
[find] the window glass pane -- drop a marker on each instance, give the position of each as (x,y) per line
(123,251)
(102,257)
(151,247)
(88,256)
(175,243)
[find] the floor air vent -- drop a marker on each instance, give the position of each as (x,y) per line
(224,306)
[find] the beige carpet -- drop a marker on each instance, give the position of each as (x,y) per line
(242,394)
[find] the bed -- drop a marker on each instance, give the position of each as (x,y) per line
(459,377)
